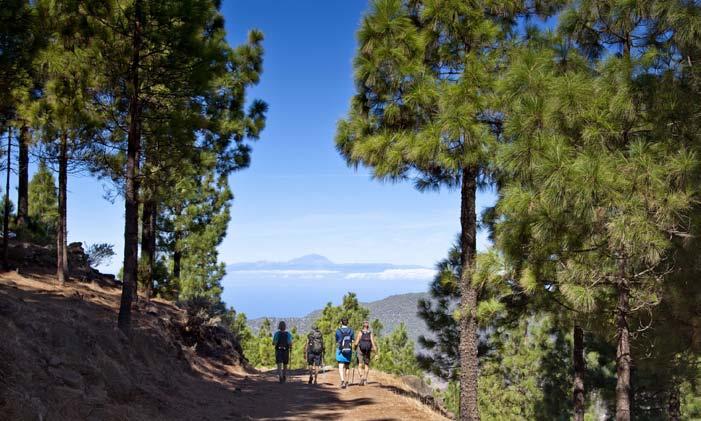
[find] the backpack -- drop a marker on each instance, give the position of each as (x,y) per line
(315,342)
(282,340)
(365,344)
(346,342)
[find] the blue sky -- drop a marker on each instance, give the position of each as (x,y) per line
(298,196)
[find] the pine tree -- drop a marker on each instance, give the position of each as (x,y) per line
(22,36)
(63,115)
(6,203)
(566,152)
(43,204)
(174,81)
(441,355)
(179,46)
(203,225)
(262,354)
(396,354)
(424,73)
(23,180)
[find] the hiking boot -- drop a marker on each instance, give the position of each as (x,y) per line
(314,380)
(310,379)
(284,379)
(343,385)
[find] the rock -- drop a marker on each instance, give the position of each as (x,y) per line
(55,361)
(76,248)
(418,385)
(206,336)
(69,377)
(117,382)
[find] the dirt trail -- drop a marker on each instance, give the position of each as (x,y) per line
(62,358)
(265,399)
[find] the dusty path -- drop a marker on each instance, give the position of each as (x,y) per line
(265,399)
(62,358)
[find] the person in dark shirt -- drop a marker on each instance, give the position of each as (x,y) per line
(365,346)
(314,351)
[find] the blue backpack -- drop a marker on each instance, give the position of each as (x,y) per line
(346,342)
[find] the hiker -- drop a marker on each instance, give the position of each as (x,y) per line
(365,346)
(344,350)
(282,340)
(314,350)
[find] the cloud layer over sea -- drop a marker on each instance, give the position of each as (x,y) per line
(299,286)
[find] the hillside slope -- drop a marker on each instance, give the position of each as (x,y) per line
(62,358)
(67,360)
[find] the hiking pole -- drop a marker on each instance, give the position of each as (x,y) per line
(353,371)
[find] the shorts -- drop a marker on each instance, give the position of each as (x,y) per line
(342,358)
(314,359)
(282,356)
(364,358)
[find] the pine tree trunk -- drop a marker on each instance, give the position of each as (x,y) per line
(62,231)
(469,368)
(674,403)
(6,216)
(177,255)
(23,182)
(579,369)
(623,357)
(148,222)
(152,243)
(131,203)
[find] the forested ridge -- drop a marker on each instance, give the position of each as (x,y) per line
(583,117)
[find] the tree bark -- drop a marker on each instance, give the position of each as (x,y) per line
(23,182)
(62,231)
(469,368)
(623,357)
(177,255)
(579,370)
(148,244)
(6,216)
(131,203)
(674,403)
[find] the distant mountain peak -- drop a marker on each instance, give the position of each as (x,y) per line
(312,259)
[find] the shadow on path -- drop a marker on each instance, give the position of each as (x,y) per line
(298,399)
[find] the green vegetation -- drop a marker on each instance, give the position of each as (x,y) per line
(396,354)
(589,133)
(396,351)
(147,95)
(43,205)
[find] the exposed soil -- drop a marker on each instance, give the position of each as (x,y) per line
(62,358)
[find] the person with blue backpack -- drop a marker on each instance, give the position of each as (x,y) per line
(344,350)
(282,340)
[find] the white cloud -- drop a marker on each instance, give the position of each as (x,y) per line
(385,275)
(286,273)
(395,274)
